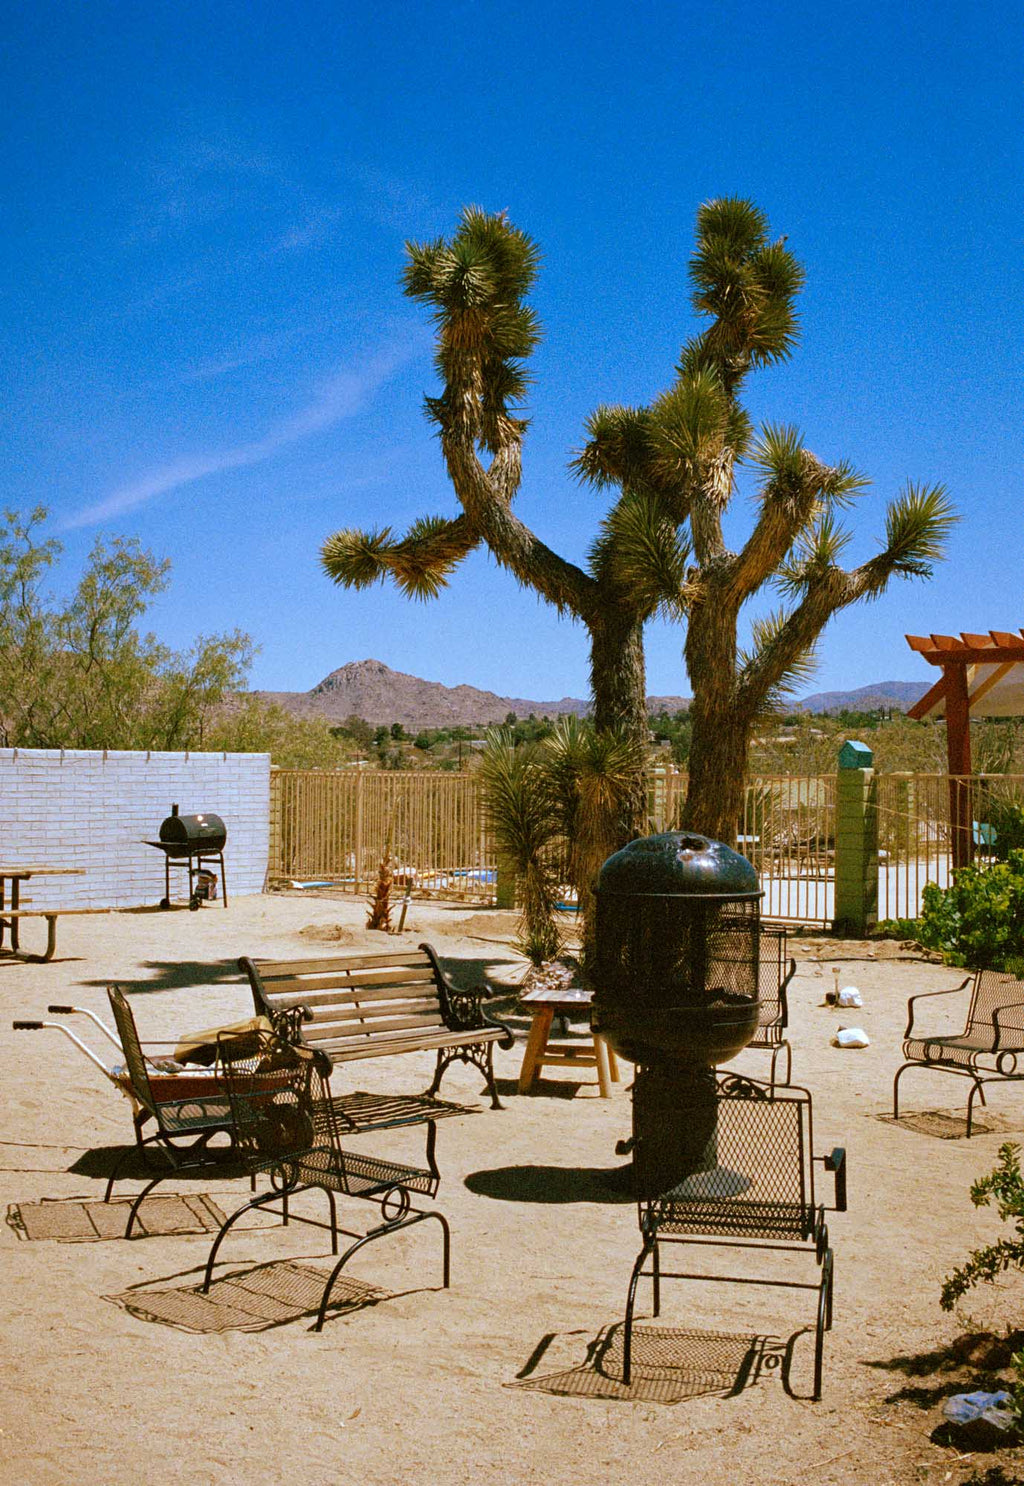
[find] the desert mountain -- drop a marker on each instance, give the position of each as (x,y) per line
(372,690)
(898,694)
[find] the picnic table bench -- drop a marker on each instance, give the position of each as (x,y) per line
(378,1005)
(12,913)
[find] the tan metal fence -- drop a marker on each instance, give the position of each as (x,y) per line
(914,833)
(333,826)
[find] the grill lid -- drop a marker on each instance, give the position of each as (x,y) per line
(202,829)
(678,862)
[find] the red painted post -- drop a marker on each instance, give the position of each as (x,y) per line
(958,754)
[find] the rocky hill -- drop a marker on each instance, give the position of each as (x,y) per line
(898,694)
(370,689)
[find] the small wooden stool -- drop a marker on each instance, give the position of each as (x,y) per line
(539,1051)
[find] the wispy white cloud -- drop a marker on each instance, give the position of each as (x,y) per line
(337,397)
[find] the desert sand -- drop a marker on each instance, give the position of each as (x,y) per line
(115,1372)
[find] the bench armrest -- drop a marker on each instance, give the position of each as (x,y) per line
(835,1162)
(927,995)
(461,1009)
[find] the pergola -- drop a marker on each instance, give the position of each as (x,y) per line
(982,676)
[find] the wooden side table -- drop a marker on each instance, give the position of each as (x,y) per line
(544,1006)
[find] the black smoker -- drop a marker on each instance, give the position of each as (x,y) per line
(678,921)
(195,843)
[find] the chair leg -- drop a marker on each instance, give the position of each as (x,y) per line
(656,1278)
(824,1310)
(975,1089)
(896,1089)
(247,1207)
(627,1332)
(381,1232)
(773,1080)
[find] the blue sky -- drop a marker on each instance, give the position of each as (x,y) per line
(205,344)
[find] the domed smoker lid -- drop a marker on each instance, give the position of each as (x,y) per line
(678,864)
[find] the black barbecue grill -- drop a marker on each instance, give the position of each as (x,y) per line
(195,844)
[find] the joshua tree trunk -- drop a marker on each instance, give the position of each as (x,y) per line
(721,728)
(618,685)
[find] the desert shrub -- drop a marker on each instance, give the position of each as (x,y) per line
(1007,819)
(979,920)
(1006,1185)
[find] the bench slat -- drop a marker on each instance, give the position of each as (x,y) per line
(272,969)
(351,998)
(337,984)
(378,1010)
(313,1032)
(383,1046)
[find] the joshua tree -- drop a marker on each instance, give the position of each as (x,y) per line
(659,549)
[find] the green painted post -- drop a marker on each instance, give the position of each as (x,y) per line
(505,894)
(856,905)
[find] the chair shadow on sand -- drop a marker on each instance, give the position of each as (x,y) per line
(259,1297)
(670,1365)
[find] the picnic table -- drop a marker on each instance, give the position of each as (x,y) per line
(11,911)
(544,1003)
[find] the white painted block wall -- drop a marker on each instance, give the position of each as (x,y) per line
(79,808)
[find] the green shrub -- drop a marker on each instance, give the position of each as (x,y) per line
(1007,819)
(979,920)
(983,1266)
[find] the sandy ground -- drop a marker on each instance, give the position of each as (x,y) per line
(511,1374)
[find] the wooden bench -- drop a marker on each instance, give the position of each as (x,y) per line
(378,1005)
(10,916)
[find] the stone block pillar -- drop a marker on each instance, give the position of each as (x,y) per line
(856,901)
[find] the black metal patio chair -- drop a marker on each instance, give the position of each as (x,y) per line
(753,1189)
(775,971)
(180,1106)
(990,1049)
(288,1128)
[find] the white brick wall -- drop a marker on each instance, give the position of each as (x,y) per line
(79,808)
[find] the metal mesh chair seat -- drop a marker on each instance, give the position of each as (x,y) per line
(739,1218)
(357,1175)
(963,1051)
(286,1126)
(187,1116)
(988,1049)
(752,1186)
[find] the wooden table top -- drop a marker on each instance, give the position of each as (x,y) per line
(567,996)
(34,869)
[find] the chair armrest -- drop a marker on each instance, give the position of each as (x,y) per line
(784,995)
(926,996)
(835,1162)
(1003,1023)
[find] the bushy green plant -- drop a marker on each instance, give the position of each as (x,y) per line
(979,920)
(1006,817)
(1006,1185)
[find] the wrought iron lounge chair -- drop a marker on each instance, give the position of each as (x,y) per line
(288,1128)
(990,1049)
(774,975)
(186,1105)
(754,1189)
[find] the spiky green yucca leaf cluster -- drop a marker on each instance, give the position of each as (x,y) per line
(476,283)
(519,809)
